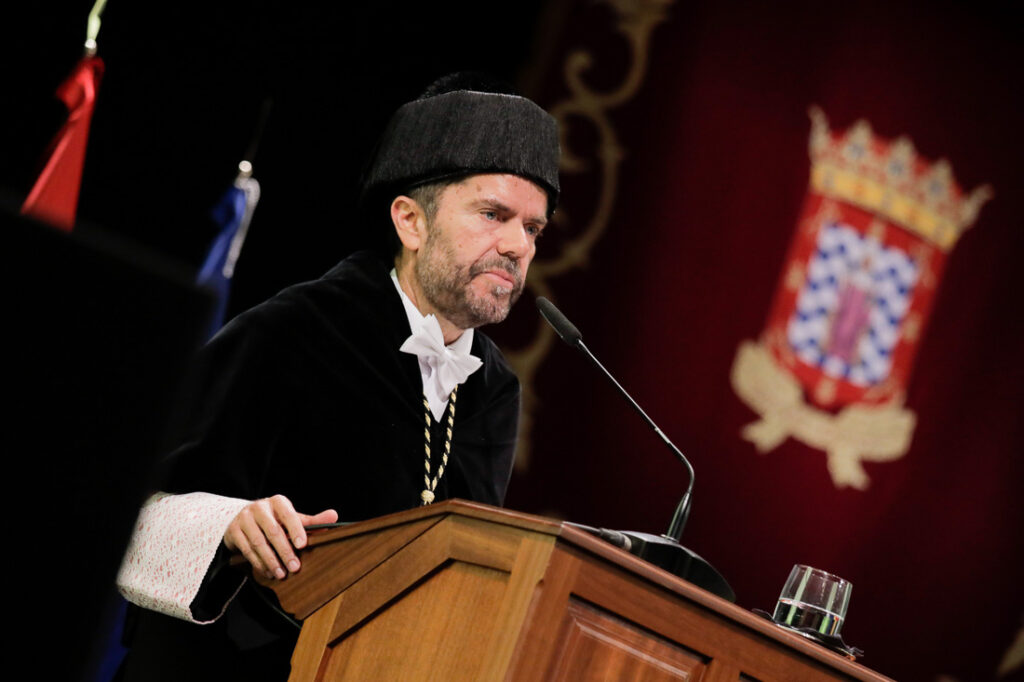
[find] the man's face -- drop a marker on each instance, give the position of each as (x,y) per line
(473,263)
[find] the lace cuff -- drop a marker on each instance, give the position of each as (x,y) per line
(175,540)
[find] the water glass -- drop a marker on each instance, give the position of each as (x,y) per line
(813,599)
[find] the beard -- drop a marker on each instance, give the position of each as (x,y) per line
(448,284)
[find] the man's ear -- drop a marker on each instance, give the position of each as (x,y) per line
(410,222)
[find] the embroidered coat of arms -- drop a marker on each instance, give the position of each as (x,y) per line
(832,364)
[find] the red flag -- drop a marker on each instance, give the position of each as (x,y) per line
(54,197)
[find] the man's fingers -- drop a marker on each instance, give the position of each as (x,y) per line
(266,531)
(257,530)
(279,522)
(235,539)
(326,516)
(291,520)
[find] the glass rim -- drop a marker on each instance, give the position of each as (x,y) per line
(820,571)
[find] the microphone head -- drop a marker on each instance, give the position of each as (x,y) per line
(566,329)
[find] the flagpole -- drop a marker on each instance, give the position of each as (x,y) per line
(92,27)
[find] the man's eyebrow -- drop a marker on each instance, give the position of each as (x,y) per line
(493,202)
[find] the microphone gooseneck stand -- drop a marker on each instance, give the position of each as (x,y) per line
(663,551)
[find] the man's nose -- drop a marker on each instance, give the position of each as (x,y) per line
(514,241)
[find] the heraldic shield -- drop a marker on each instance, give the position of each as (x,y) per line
(832,364)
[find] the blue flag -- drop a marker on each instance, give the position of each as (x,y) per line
(232,214)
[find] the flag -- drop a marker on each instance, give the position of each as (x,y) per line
(54,197)
(232,215)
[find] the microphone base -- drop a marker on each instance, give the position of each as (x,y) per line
(669,555)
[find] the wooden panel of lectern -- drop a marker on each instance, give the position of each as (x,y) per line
(462,591)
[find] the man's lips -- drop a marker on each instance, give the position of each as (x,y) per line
(501,278)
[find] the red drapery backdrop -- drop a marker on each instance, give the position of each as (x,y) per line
(705,166)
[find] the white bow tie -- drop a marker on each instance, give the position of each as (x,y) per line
(443,368)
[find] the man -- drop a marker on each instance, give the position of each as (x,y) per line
(317,399)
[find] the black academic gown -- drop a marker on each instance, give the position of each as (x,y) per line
(307,395)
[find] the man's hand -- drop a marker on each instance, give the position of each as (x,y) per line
(266,531)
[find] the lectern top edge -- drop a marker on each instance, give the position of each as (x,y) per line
(457,507)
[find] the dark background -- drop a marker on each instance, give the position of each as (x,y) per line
(710,166)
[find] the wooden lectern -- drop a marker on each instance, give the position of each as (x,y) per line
(463,591)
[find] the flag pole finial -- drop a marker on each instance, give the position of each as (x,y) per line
(92,28)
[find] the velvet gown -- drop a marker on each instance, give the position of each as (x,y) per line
(307,395)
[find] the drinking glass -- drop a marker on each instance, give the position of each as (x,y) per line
(813,599)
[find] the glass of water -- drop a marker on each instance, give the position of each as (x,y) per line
(813,599)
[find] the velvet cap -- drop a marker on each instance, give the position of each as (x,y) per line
(461,133)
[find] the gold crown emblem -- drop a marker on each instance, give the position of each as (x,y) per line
(889,178)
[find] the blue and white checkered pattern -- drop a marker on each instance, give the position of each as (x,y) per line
(890,275)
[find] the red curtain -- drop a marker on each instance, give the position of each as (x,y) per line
(706,179)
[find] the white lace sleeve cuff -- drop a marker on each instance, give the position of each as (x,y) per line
(174,541)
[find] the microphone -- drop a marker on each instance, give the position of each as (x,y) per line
(572,336)
(561,324)
(664,550)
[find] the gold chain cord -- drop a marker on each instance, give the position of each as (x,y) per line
(430,485)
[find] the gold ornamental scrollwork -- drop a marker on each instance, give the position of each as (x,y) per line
(634,20)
